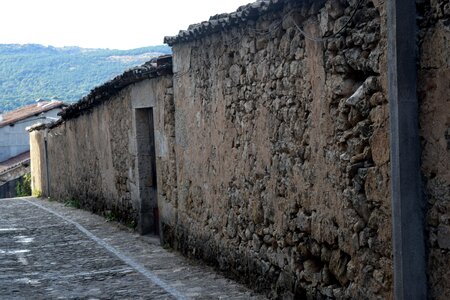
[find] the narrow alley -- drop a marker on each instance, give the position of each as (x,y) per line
(50,251)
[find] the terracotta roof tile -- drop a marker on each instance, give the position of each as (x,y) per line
(154,68)
(14,161)
(28,111)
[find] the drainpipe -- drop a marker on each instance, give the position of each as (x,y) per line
(408,230)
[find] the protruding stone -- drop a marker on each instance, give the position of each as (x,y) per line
(338,265)
(443,236)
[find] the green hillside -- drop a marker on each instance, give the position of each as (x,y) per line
(29,72)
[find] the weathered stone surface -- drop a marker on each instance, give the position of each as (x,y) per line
(443,234)
(12,173)
(284,157)
(103,173)
(434,87)
(276,147)
(380,146)
(338,265)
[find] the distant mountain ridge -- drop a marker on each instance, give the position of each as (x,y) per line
(29,72)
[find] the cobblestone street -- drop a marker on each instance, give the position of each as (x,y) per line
(50,251)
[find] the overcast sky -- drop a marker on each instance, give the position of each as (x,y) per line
(118,24)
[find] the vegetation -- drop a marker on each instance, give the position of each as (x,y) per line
(23,188)
(29,72)
(111,216)
(72,203)
(37,194)
(131,224)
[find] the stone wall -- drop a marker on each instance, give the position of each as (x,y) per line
(38,162)
(12,173)
(94,156)
(10,180)
(8,189)
(434,87)
(272,147)
(82,165)
(282,148)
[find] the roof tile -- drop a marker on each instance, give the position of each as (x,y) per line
(25,112)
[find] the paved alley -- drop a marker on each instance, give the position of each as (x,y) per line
(50,251)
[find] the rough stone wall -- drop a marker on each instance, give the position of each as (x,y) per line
(89,160)
(10,179)
(15,172)
(282,151)
(8,189)
(158,94)
(272,149)
(93,157)
(434,87)
(37,162)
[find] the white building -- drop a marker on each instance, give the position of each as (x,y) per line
(14,138)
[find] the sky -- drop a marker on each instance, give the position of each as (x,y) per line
(114,24)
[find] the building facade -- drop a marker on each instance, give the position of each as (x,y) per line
(14,138)
(269,151)
(15,141)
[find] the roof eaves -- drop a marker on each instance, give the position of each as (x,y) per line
(151,69)
(224,21)
(32,112)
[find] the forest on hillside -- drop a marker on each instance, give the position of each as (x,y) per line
(30,72)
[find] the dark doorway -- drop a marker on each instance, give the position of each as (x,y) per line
(148,187)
